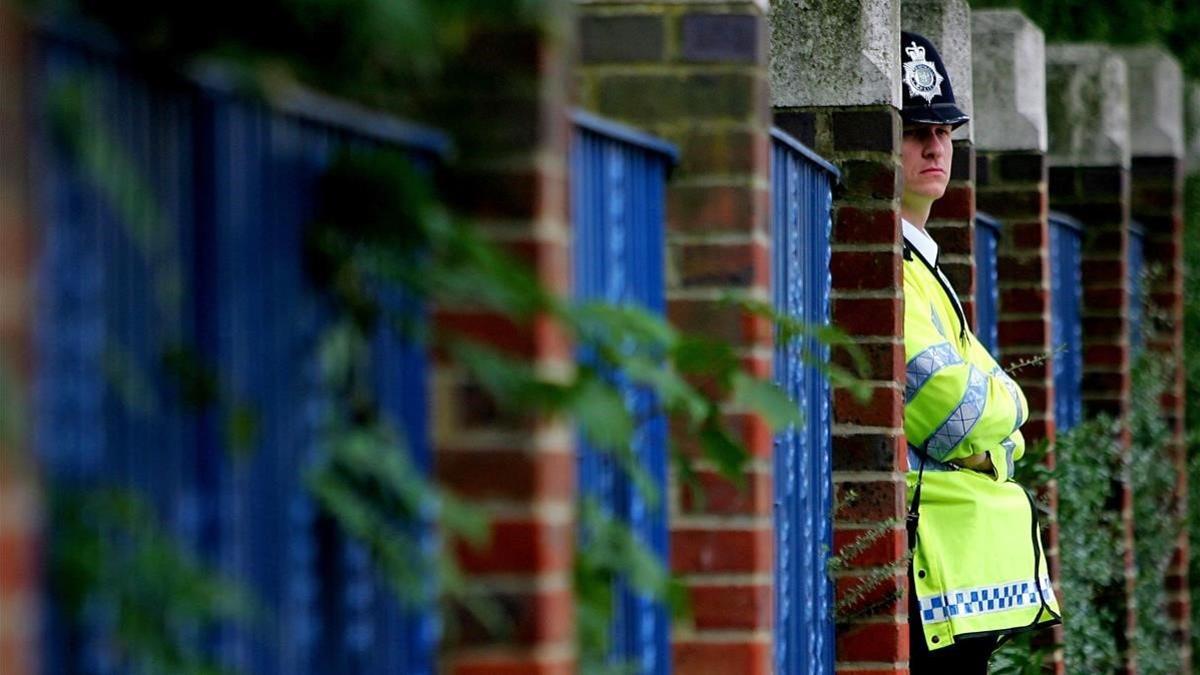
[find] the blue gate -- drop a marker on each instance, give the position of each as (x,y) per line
(1136,269)
(618,186)
(1066,306)
(987,288)
(173,244)
(802,199)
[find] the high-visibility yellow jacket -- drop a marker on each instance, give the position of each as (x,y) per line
(978,564)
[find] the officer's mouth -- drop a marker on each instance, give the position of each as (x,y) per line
(933,169)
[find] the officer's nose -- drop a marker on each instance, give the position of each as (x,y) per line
(933,147)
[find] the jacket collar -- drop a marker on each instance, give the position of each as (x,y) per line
(920,240)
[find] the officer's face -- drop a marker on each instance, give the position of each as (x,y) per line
(925,155)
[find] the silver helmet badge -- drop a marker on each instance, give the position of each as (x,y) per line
(920,75)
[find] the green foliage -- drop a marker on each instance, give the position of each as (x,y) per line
(1020,656)
(1152,479)
(1191,366)
(1032,472)
(379,52)
(1171,23)
(112,565)
(624,347)
(1087,465)
(614,555)
(847,363)
(1193,532)
(859,600)
(1090,545)
(382,244)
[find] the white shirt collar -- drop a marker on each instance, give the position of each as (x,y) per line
(921,241)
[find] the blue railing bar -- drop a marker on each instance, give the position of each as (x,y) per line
(1063,219)
(982,218)
(790,141)
(227,79)
(308,105)
(1137,228)
(628,134)
(76,31)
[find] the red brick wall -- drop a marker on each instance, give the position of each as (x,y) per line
(869,450)
(1099,198)
(952,224)
(19,497)
(695,74)
(1012,186)
(1157,203)
(505,104)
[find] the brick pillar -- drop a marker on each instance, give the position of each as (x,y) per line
(1088,112)
(947,23)
(695,74)
(504,101)
(19,496)
(1156,201)
(835,87)
(1010,133)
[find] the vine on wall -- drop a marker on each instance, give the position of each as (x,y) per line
(382,231)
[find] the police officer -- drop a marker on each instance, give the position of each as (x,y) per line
(978,570)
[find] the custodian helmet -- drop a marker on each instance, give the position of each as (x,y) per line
(928,96)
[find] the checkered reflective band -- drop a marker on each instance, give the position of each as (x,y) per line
(1012,392)
(923,366)
(1010,448)
(983,600)
(962,419)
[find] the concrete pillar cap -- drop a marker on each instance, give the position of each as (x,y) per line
(1191,110)
(1087,106)
(1155,101)
(1009,62)
(947,24)
(835,53)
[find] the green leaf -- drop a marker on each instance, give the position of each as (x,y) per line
(729,456)
(702,356)
(241,431)
(622,326)
(602,414)
(685,475)
(463,520)
(767,399)
(511,382)
(674,393)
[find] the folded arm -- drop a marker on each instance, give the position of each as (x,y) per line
(954,410)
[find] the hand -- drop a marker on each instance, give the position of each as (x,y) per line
(981,462)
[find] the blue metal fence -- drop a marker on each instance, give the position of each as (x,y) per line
(1066,307)
(802,198)
(987,288)
(174,224)
(1136,269)
(618,182)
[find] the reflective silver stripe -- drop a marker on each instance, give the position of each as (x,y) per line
(984,600)
(924,365)
(1013,393)
(914,462)
(962,419)
(1009,448)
